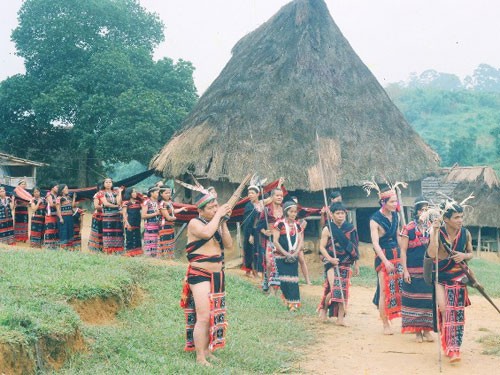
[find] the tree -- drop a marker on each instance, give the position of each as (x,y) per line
(92,91)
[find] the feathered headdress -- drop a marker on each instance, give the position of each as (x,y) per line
(438,211)
(256,183)
(368,186)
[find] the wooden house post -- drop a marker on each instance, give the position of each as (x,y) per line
(478,247)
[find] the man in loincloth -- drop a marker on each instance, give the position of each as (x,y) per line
(203,296)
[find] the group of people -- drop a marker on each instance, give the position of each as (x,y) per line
(116,221)
(55,221)
(273,240)
(427,298)
(273,248)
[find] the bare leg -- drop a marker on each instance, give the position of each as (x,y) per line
(303,267)
(201,328)
(381,305)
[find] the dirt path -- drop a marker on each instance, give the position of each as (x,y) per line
(363,349)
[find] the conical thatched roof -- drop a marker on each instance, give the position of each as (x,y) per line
(295,75)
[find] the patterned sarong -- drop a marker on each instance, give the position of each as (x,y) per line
(217,297)
(452,329)
(37,226)
(6,223)
(95,239)
(112,231)
(392,288)
(166,242)
(340,287)
(51,234)
(21,221)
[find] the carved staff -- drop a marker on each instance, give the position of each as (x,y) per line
(237,194)
(329,222)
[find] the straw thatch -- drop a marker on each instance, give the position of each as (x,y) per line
(295,75)
(458,182)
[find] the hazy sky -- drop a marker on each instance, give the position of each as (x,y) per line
(393,37)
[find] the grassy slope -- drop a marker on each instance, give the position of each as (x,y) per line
(262,337)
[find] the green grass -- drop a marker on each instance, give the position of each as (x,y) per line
(488,275)
(491,344)
(262,336)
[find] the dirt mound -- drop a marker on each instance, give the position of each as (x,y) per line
(102,310)
(48,352)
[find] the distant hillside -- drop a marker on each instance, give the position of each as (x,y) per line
(460,120)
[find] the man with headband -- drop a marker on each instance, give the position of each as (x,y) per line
(345,239)
(203,296)
(384,234)
(451,290)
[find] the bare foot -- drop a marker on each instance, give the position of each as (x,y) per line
(342,323)
(203,362)
(388,330)
(322,315)
(211,357)
(428,336)
(455,358)
(418,337)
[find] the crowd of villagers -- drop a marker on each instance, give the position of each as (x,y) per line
(56,219)
(273,244)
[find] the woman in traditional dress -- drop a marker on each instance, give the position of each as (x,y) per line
(416,301)
(132,221)
(268,217)
(253,208)
(77,228)
(51,235)
(6,218)
(166,245)
(95,239)
(287,242)
(21,216)
(385,239)
(39,207)
(150,212)
(64,209)
(112,226)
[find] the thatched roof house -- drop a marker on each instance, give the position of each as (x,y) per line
(292,77)
(14,169)
(458,182)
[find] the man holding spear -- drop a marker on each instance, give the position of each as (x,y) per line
(451,244)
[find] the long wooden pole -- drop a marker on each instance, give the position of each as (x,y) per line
(329,223)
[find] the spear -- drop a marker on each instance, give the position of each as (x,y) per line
(329,222)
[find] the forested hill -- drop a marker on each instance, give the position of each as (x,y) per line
(459,120)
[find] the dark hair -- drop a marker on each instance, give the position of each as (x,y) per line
(337,206)
(128,193)
(335,194)
(386,199)
(453,207)
(100,186)
(60,188)
(37,188)
(152,189)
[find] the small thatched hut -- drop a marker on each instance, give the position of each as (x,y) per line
(458,182)
(294,76)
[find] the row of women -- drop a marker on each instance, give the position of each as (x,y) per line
(55,221)
(116,221)
(274,238)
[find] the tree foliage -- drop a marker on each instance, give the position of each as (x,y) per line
(461,124)
(92,93)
